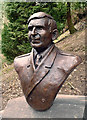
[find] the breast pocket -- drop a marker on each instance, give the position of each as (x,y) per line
(57,76)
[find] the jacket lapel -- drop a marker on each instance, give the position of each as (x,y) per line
(42,70)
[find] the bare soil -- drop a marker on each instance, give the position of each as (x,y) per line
(75,83)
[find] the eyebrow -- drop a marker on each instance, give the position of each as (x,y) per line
(36,26)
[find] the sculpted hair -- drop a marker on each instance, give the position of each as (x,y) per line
(51,22)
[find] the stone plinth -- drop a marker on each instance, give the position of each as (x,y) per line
(65,106)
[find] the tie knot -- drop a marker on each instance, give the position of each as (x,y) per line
(39,57)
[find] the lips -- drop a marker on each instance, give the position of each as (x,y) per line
(35,39)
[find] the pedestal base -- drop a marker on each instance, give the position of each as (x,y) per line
(64,106)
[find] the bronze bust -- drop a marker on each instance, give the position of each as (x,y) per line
(43,71)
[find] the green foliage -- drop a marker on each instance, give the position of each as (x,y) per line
(79,5)
(14,35)
(57,11)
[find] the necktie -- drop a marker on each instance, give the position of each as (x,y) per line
(38,60)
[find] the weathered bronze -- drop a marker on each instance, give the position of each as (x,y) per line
(43,71)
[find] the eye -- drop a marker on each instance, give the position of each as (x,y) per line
(30,28)
(39,28)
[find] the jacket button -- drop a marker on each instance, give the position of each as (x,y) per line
(43,100)
(30,98)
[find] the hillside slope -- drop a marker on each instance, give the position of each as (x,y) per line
(76,81)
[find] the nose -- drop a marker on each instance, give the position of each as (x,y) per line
(33,31)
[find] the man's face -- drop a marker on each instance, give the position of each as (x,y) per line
(39,33)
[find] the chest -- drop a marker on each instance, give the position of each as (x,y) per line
(50,76)
(44,93)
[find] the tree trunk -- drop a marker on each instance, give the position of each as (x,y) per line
(69,20)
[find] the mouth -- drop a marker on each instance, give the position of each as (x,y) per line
(36,42)
(35,39)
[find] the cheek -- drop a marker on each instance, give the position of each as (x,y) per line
(46,36)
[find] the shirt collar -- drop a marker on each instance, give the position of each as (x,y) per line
(42,54)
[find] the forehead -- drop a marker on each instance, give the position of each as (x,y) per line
(38,22)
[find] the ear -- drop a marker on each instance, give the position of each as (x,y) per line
(54,34)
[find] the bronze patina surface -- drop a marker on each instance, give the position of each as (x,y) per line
(43,71)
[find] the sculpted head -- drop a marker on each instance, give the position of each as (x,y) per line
(42,30)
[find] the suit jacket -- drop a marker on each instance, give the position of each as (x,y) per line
(40,86)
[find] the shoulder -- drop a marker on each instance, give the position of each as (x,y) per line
(68,61)
(21,60)
(22,57)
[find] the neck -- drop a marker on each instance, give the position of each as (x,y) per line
(42,49)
